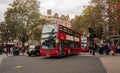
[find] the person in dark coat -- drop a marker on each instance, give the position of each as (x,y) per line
(1,50)
(118,47)
(90,46)
(100,49)
(106,49)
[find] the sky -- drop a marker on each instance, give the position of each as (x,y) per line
(66,7)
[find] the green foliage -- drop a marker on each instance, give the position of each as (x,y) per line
(97,15)
(112,16)
(94,16)
(35,31)
(114,0)
(21,17)
(76,23)
(37,34)
(115,15)
(91,17)
(3,32)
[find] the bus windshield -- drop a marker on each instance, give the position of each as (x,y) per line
(49,35)
(83,41)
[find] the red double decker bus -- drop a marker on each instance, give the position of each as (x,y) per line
(84,43)
(58,40)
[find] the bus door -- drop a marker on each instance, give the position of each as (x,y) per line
(72,47)
(61,47)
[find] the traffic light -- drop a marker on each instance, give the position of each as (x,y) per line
(119,32)
(100,32)
(91,33)
(94,34)
(90,30)
(24,38)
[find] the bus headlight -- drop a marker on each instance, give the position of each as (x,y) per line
(56,52)
(57,40)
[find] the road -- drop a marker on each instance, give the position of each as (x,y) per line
(71,64)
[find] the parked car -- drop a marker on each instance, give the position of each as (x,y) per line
(33,50)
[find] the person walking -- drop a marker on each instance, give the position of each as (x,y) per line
(5,51)
(118,47)
(106,49)
(11,50)
(24,49)
(101,49)
(94,48)
(0,50)
(90,46)
(113,47)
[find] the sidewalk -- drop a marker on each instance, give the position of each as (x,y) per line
(111,63)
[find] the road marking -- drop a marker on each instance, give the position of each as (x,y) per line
(17,67)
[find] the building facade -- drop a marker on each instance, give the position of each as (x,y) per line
(63,19)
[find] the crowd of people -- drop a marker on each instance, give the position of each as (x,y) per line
(105,48)
(11,50)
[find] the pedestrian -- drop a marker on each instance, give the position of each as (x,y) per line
(113,47)
(101,49)
(11,50)
(94,48)
(93,51)
(5,51)
(90,46)
(106,49)
(0,50)
(117,50)
(15,51)
(118,47)
(23,50)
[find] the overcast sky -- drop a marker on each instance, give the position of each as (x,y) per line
(67,7)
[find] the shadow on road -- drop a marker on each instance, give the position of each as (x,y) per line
(71,56)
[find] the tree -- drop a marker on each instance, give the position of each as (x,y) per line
(76,23)
(35,32)
(4,32)
(111,12)
(114,15)
(91,17)
(22,16)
